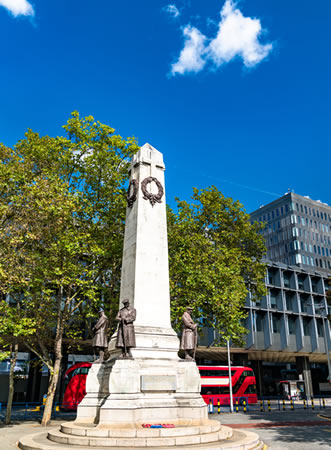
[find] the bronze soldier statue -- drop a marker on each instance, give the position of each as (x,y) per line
(189,336)
(99,341)
(125,334)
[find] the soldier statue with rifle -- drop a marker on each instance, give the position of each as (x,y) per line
(125,334)
(189,338)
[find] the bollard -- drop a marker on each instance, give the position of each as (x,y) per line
(323,402)
(269,406)
(245,409)
(218,406)
(237,409)
(292,406)
(210,407)
(304,404)
(284,405)
(312,403)
(261,406)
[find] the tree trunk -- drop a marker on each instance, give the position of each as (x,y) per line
(13,359)
(54,376)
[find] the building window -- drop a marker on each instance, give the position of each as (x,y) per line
(291,325)
(306,331)
(273,299)
(275,324)
(320,330)
(259,322)
(297,259)
(303,304)
(289,302)
(301,283)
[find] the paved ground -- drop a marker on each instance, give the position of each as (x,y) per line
(300,430)
(9,435)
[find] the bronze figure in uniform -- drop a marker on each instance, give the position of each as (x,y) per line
(189,335)
(99,341)
(125,334)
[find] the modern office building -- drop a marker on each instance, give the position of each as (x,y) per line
(288,331)
(297,231)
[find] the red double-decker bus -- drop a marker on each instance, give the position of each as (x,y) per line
(215,384)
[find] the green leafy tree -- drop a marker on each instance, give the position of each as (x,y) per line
(14,327)
(62,209)
(214,258)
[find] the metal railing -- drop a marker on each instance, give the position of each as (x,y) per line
(268,404)
(35,410)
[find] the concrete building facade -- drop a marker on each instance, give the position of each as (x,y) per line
(285,330)
(297,231)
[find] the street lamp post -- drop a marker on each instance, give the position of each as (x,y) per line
(230,376)
(326,343)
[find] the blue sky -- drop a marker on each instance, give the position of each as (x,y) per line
(239,100)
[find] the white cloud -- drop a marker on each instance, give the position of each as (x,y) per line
(237,36)
(191,57)
(18,7)
(172,10)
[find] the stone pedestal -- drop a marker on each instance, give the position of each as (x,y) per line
(124,393)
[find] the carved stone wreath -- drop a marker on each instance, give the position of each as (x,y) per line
(153,198)
(131,195)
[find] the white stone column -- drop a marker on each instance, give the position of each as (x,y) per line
(145,270)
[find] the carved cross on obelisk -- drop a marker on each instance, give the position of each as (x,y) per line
(145,272)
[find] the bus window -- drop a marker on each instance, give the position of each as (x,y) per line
(215,372)
(251,389)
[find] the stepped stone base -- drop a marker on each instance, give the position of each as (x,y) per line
(211,435)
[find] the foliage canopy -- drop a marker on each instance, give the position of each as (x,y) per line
(62,212)
(215,259)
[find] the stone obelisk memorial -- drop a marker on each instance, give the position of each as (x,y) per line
(155,386)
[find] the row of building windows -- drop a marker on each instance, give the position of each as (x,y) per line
(278,212)
(310,223)
(297,232)
(311,211)
(282,250)
(275,324)
(303,303)
(309,235)
(311,248)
